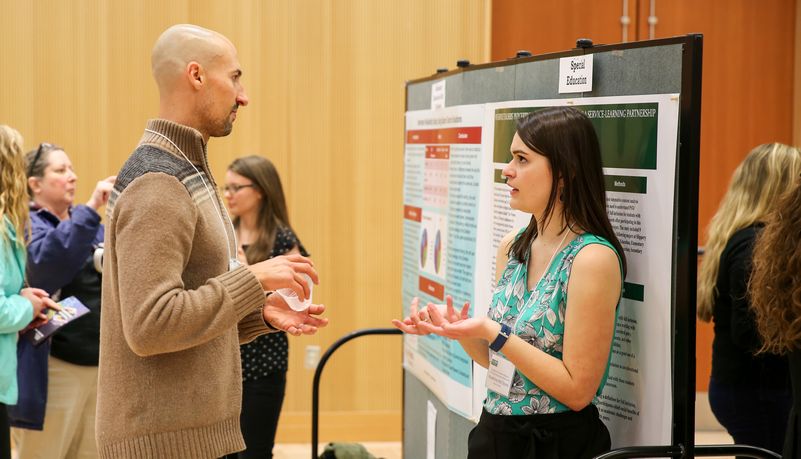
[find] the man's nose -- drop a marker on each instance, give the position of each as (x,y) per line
(242,99)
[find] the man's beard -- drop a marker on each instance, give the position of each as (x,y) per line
(226,125)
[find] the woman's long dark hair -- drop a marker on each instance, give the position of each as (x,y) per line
(567,138)
(272,211)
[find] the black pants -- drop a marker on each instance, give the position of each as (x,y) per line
(755,416)
(5,433)
(570,435)
(261,407)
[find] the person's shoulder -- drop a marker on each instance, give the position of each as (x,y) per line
(511,237)
(41,218)
(741,242)
(596,259)
(147,159)
(591,248)
(285,232)
(745,235)
(286,240)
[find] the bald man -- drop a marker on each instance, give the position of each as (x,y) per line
(176,302)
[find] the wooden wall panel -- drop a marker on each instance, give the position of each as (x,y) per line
(797,78)
(746,90)
(326,86)
(751,58)
(546,26)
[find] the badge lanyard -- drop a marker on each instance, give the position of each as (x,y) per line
(233,262)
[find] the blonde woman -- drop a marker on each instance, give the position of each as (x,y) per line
(749,395)
(18,306)
(775,290)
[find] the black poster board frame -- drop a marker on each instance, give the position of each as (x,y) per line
(684,248)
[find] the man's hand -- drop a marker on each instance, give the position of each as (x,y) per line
(285,271)
(278,314)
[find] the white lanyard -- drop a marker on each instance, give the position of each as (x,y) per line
(233,262)
(558,247)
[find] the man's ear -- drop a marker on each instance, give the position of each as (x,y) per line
(195,74)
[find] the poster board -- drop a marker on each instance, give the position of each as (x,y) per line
(645,104)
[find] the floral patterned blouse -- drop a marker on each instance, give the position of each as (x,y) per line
(538,317)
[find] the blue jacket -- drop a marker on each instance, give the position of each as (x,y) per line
(58,249)
(15,311)
(60,257)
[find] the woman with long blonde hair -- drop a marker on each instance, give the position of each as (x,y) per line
(775,291)
(19,307)
(749,395)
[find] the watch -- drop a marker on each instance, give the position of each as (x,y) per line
(500,340)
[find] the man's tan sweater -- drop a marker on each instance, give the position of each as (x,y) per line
(170,382)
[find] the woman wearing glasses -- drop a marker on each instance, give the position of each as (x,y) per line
(18,306)
(64,255)
(256,202)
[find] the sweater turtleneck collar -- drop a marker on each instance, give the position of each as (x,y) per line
(188,139)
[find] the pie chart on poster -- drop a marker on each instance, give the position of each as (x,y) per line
(423,248)
(437,251)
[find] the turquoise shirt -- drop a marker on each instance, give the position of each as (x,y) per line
(538,317)
(15,311)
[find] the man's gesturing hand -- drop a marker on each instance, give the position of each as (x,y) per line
(278,314)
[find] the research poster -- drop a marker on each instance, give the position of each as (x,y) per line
(442,171)
(468,199)
(638,139)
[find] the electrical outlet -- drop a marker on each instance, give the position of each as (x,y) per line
(312,357)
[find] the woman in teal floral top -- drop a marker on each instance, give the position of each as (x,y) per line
(547,352)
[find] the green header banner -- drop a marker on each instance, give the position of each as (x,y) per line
(627,133)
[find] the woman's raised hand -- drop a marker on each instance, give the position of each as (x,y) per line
(432,318)
(102,192)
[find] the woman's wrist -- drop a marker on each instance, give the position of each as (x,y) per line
(93,204)
(491,329)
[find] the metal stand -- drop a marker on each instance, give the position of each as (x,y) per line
(319,371)
(698,451)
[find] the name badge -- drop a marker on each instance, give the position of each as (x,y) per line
(500,374)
